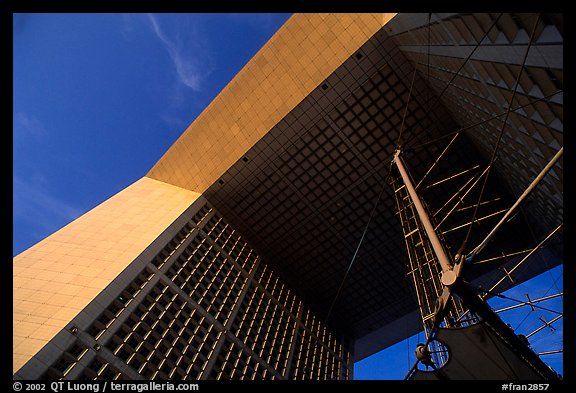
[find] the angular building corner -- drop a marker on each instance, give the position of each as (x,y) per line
(155,264)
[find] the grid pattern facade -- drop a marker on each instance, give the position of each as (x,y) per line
(300,186)
(485,85)
(312,360)
(304,192)
(57,278)
(204,307)
(296,59)
(66,362)
(96,369)
(100,369)
(265,327)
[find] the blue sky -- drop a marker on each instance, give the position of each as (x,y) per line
(98,98)
(395,361)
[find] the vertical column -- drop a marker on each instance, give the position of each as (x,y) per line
(231,319)
(294,339)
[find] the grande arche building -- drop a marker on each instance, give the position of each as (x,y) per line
(224,260)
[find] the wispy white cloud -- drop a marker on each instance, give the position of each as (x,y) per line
(26,125)
(190,69)
(33,202)
(127,26)
(175,122)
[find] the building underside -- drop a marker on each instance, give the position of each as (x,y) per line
(309,178)
(303,194)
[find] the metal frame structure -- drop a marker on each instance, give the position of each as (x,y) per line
(443,296)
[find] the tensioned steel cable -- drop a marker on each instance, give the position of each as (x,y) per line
(469,56)
(478,123)
(380,165)
(436,161)
(555,280)
(314,336)
(534,239)
(406,109)
(355,253)
(511,212)
(432,333)
(398,144)
(521,301)
(530,312)
(437,98)
(461,250)
(499,139)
